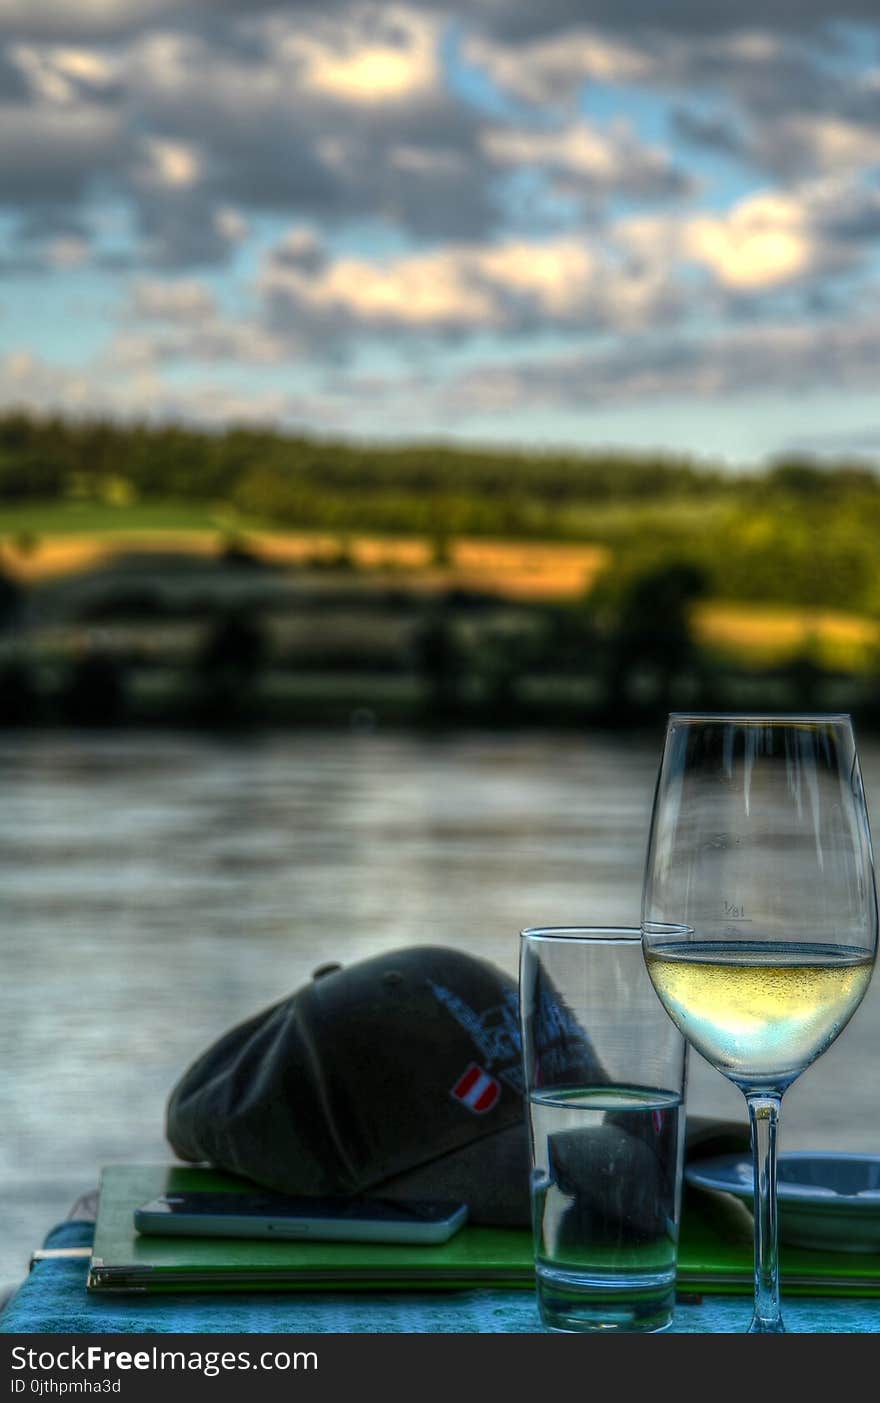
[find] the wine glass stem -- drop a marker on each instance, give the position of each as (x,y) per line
(764,1119)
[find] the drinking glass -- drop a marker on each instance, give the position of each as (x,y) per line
(605,1075)
(760,850)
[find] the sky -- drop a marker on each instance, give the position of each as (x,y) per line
(580,223)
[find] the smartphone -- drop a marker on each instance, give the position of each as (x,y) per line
(205,1214)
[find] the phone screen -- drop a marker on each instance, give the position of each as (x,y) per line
(247,1205)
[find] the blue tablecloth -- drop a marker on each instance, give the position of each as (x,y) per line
(53,1300)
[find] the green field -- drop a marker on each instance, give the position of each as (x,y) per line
(73,518)
(598,522)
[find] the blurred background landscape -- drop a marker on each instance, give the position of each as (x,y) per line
(167,576)
(402,408)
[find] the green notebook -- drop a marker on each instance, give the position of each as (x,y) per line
(123,1260)
(715,1252)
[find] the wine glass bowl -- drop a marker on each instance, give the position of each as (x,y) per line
(760,852)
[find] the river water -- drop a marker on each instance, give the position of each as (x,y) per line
(158,888)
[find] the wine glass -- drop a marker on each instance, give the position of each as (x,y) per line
(760,853)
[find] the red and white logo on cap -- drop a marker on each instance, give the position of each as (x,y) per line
(477,1090)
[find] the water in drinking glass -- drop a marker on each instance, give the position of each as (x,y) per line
(607,1161)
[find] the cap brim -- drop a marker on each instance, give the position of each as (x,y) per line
(490,1175)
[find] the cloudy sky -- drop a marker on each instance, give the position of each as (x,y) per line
(583,223)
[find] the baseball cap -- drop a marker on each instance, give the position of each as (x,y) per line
(399,1075)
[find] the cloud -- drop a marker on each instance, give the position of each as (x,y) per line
(389,57)
(790,106)
(169,165)
(331,118)
(31,382)
(772,358)
(181,301)
(64,75)
(631,277)
(823,143)
(589,158)
(765,240)
(330,114)
(450,179)
(313,307)
(717,132)
(748,77)
(336,117)
(514,19)
(522,20)
(552,69)
(181,321)
(199,118)
(86,19)
(300,248)
(502,288)
(51,155)
(429,290)
(46,241)
(769,240)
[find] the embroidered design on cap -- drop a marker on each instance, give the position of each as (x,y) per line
(477,1090)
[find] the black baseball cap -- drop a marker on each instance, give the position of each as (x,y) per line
(398,1076)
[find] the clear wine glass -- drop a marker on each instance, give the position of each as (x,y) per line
(760,853)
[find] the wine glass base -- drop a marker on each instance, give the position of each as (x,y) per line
(765,1327)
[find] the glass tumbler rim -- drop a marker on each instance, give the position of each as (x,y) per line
(765,718)
(593,935)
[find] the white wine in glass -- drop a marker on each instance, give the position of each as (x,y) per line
(759,915)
